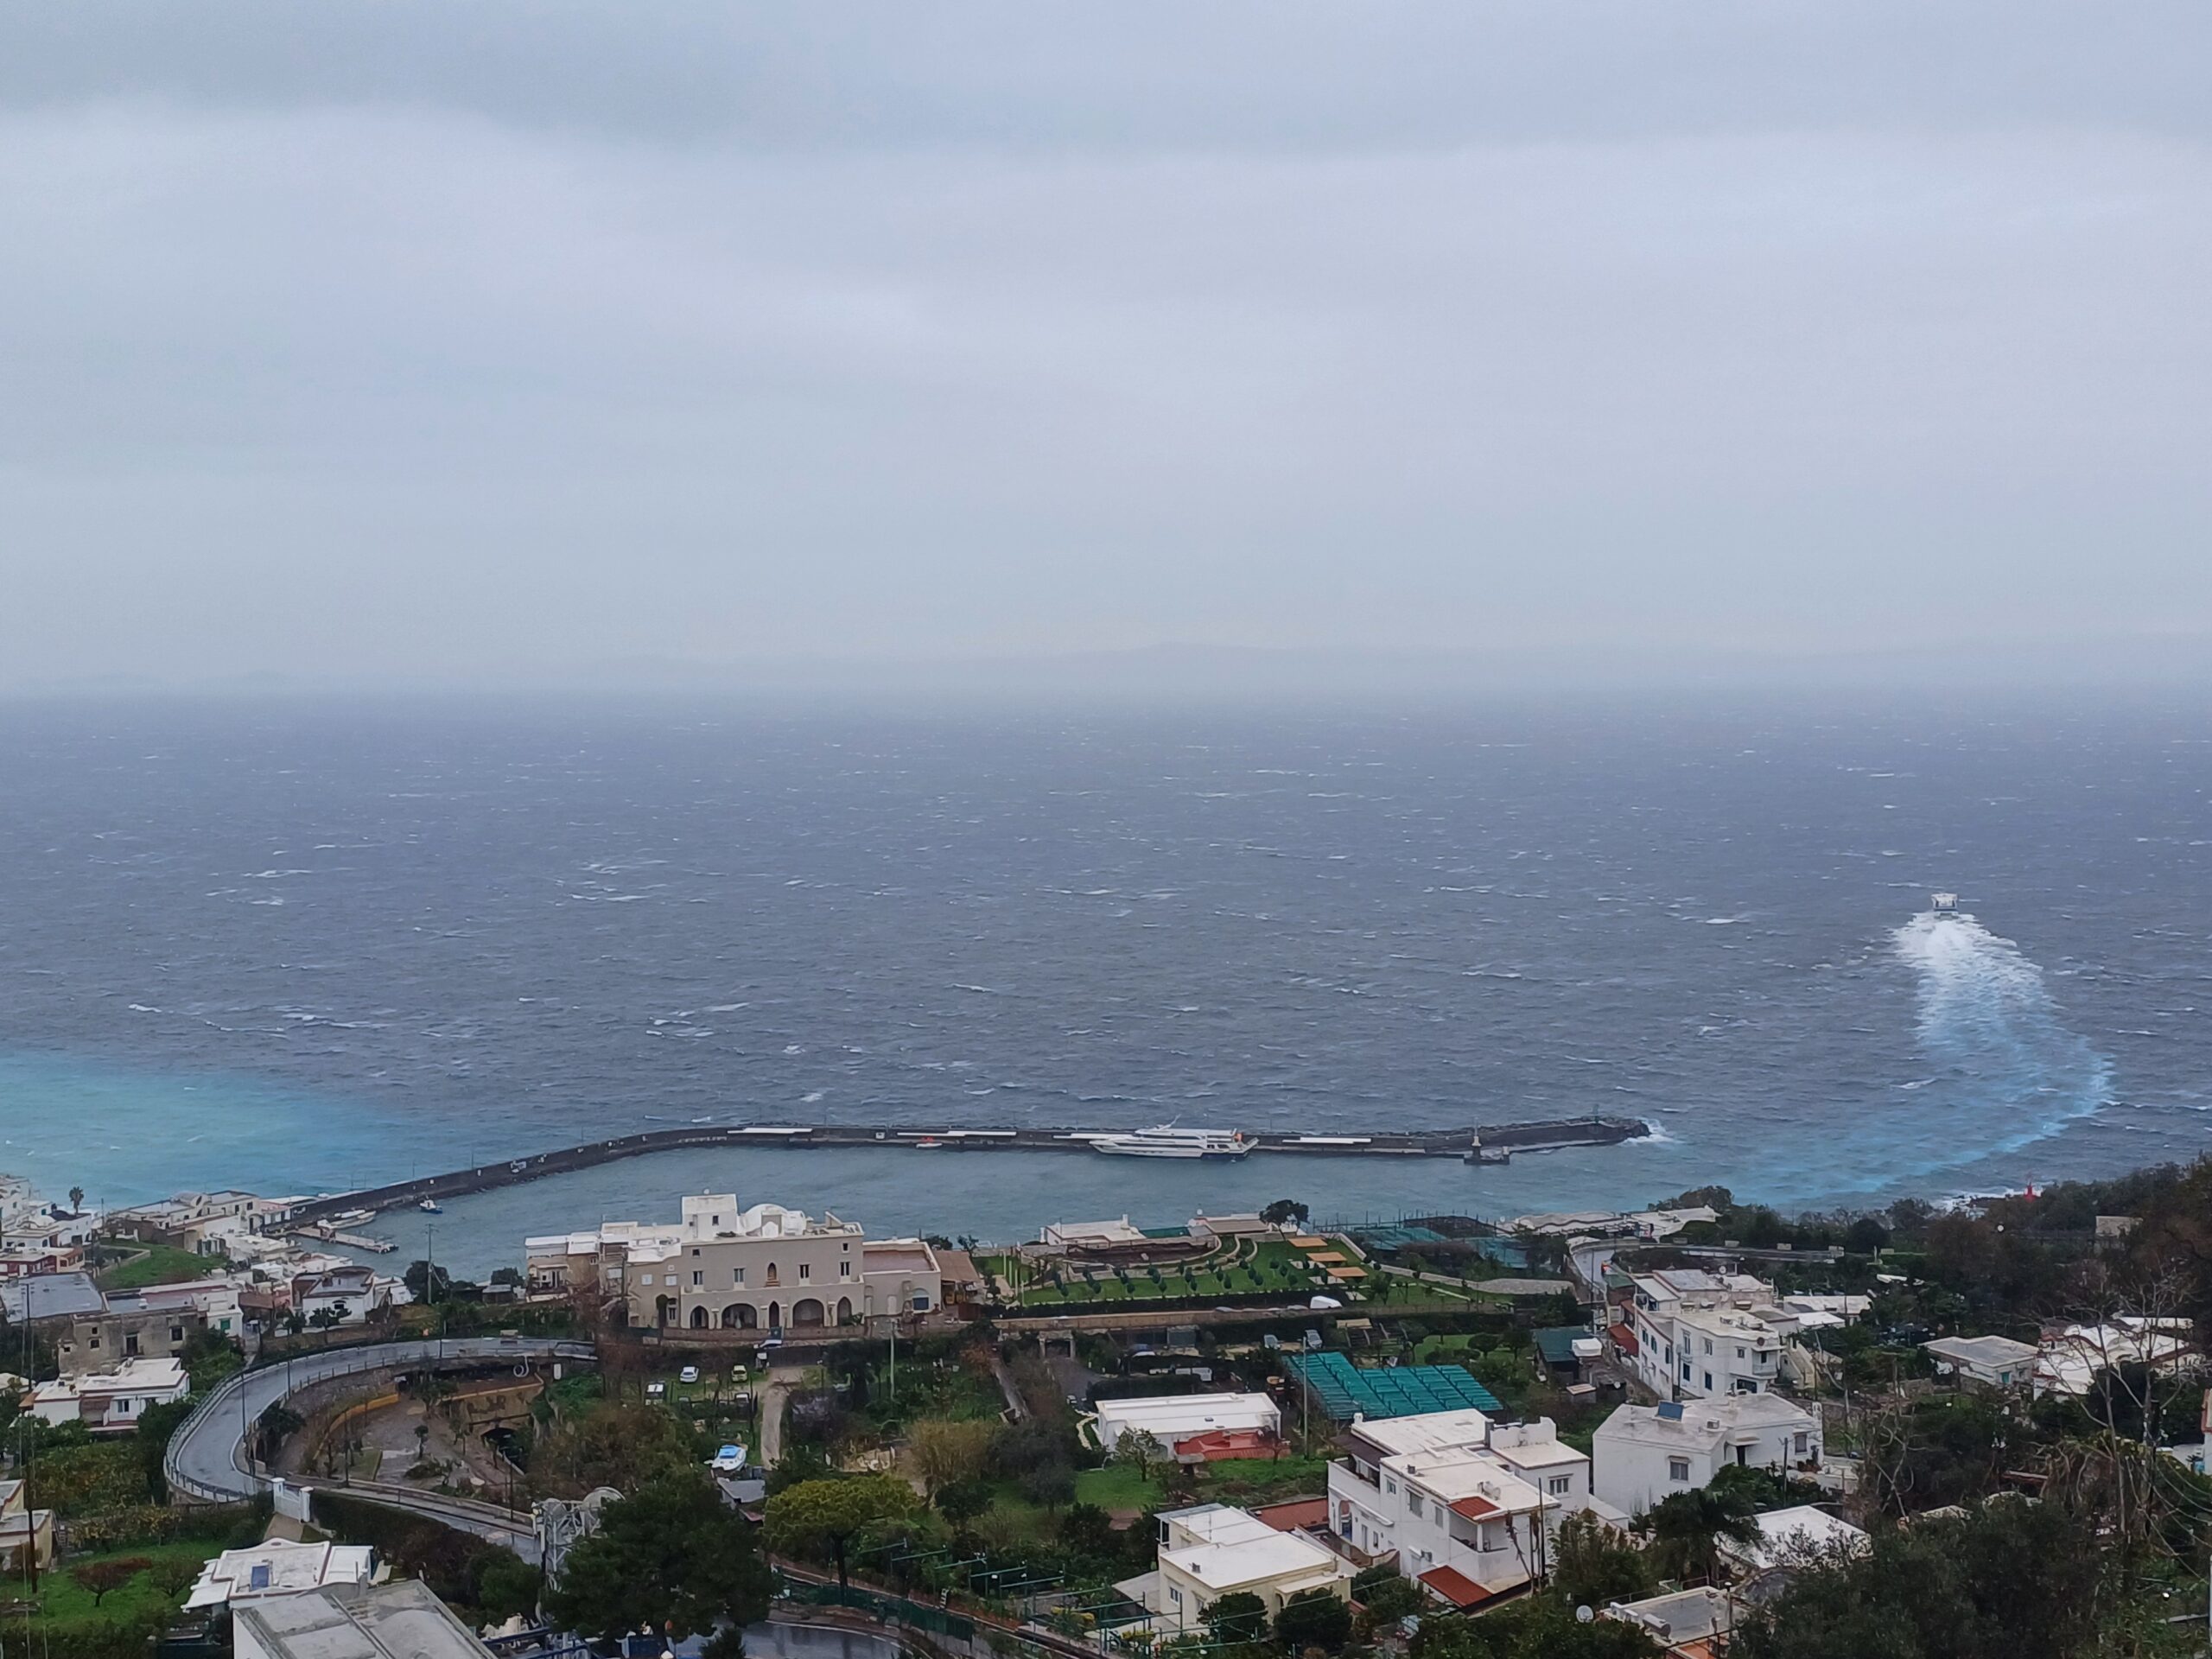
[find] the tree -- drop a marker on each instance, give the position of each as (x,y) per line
(804,1519)
(2012,1579)
(1388,1600)
(1087,1530)
(76,1200)
(1686,1530)
(1313,1618)
(426,1282)
(1239,1616)
(1590,1567)
(673,1557)
(946,1452)
(175,1574)
(506,1586)
(962,1501)
(101,1577)
(617,1445)
(1285,1210)
(1138,1449)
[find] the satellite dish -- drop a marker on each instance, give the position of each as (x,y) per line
(1583,1615)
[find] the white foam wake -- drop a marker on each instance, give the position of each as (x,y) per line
(2011,1072)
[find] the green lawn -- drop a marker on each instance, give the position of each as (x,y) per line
(1254,1480)
(1117,1487)
(158,1264)
(65,1603)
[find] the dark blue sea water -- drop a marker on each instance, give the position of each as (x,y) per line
(300,947)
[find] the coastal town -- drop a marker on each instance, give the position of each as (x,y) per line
(1110,1437)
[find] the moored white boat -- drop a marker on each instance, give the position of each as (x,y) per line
(1166,1141)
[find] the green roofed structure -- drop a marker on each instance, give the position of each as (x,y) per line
(1344,1390)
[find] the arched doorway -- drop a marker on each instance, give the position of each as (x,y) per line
(807,1311)
(698,1318)
(844,1310)
(665,1310)
(740,1316)
(775,1316)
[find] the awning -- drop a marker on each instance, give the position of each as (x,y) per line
(1455,1586)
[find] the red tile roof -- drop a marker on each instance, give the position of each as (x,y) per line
(1297,1515)
(1624,1338)
(1477,1509)
(1454,1586)
(1215,1444)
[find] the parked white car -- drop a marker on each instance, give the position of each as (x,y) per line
(689,1374)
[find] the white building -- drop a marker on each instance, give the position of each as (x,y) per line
(280,1568)
(1213,1551)
(2071,1358)
(403,1620)
(1993,1362)
(1465,1506)
(1695,1334)
(1791,1537)
(721,1267)
(1645,1453)
(1684,1622)
(345,1295)
(1171,1419)
(1120,1235)
(110,1402)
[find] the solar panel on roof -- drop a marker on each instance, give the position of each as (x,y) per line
(259,1579)
(1670,1412)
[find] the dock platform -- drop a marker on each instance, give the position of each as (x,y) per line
(1478,1143)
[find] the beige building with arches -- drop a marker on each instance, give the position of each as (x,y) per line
(766,1270)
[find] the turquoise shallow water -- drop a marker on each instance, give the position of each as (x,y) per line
(310,946)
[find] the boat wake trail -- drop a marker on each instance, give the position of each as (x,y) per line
(2008,1069)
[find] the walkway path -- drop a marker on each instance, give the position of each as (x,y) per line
(206,1458)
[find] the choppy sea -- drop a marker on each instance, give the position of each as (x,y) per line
(303,946)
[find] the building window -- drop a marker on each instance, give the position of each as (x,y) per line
(1708,1344)
(1799,1445)
(177,1333)
(1174,1595)
(1391,1487)
(805,1271)
(1708,1382)
(844,1269)
(1739,1353)
(1557,1485)
(698,1278)
(1678,1470)
(771,1273)
(1413,1503)
(694,1254)
(740,1272)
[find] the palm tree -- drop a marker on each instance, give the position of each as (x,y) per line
(1686,1529)
(76,1200)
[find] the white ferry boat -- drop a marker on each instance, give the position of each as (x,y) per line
(1166,1141)
(1945,905)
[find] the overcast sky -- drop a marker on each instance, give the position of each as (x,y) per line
(415,341)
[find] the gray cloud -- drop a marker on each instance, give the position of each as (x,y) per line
(402,341)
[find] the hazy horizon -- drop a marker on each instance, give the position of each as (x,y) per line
(389,346)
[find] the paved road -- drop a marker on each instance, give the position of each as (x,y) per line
(775,1393)
(205,1458)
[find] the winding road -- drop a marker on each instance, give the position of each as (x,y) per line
(207,1459)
